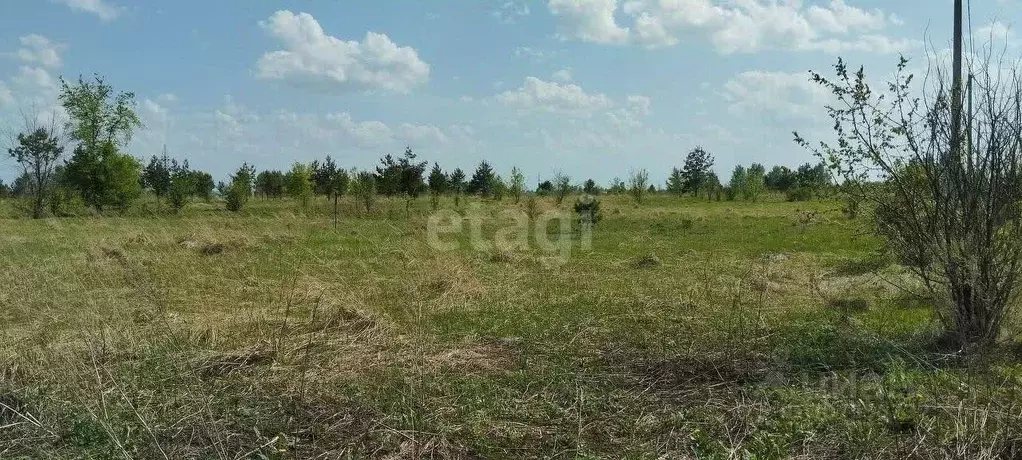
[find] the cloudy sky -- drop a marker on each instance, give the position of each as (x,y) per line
(590,87)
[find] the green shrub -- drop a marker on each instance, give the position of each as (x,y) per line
(236,197)
(588,209)
(801,194)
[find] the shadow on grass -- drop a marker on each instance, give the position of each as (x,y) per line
(856,267)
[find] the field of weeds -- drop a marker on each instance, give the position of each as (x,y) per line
(689,329)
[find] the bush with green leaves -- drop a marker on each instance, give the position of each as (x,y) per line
(562,186)
(363,188)
(638,181)
(299,183)
(587,207)
(182,185)
(236,194)
(800,194)
(235,197)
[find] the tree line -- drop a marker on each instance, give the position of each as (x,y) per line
(696,177)
(99,175)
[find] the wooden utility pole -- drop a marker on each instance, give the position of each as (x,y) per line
(956,88)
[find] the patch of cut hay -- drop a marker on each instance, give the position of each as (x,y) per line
(451,283)
(479,356)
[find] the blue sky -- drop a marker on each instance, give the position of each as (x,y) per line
(593,88)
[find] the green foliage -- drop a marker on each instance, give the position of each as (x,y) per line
(695,173)
(617,187)
(587,207)
(182,185)
(482,180)
(676,182)
(402,176)
(781,179)
(437,182)
(299,183)
(562,186)
(736,187)
(800,194)
(270,184)
(22,185)
(100,122)
(245,178)
(37,154)
(156,175)
(104,177)
(237,194)
(322,176)
(810,175)
(638,184)
(754,182)
(498,188)
(363,187)
(713,187)
(590,187)
(96,116)
(202,185)
(340,183)
(517,184)
(545,188)
(456,184)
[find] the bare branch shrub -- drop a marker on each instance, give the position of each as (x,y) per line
(947,203)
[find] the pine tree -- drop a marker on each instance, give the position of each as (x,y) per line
(482,180)
(437,185)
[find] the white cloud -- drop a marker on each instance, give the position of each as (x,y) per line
(167,98)
(531,53)
(39,50)
(563,75)
(775,93)
(102,9)
(509,12)
(312,58)
(6,97)
(536,94)
(34,87)
(154,108)
(996,33)
(367,133)
(604,120)
(37,80)
(588,20)
(732,27)
(841,18)
(630,116)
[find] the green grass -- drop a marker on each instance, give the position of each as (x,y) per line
(690,329)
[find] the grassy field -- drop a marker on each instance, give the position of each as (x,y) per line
(690,329)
